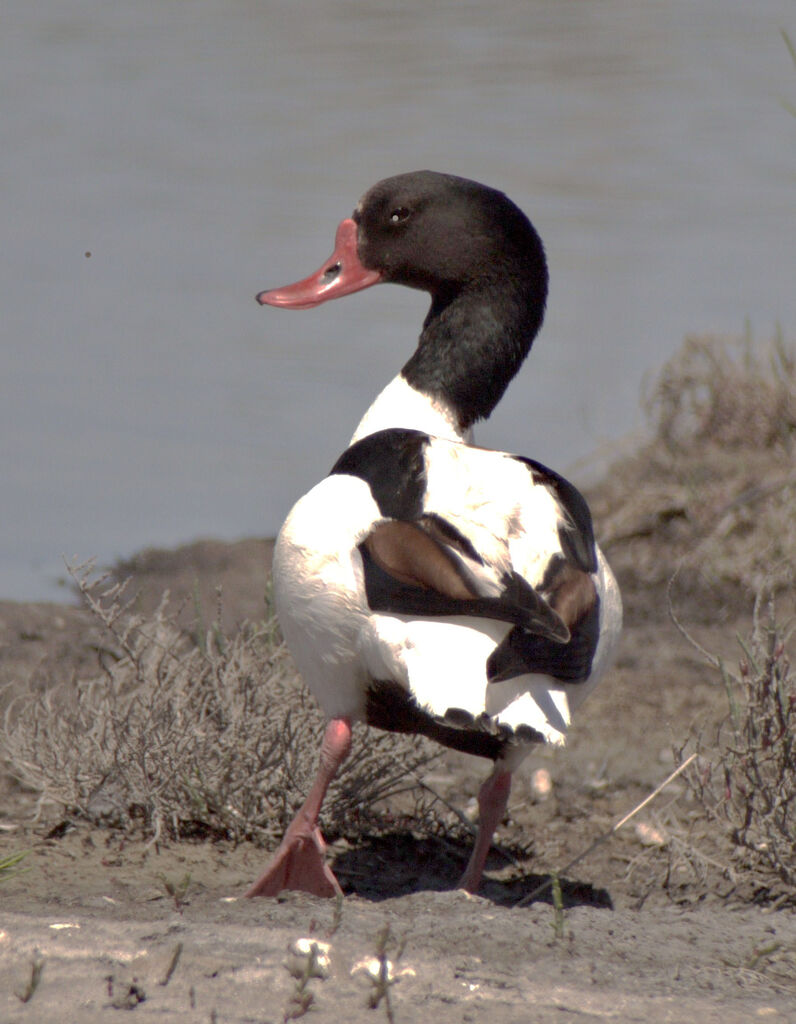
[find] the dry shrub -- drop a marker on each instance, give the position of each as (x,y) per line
(711,498)
(731,831)
(745,778)
(715,487)
(185,739)
(730,394)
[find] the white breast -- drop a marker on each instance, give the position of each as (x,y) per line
(319,591)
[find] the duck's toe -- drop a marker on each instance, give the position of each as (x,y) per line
(299,863)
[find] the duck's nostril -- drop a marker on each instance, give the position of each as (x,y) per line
(331,272)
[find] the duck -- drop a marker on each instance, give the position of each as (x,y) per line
(427,585)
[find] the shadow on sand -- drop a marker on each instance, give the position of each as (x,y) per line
(399,864)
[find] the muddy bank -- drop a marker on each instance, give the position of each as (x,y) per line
(640,938)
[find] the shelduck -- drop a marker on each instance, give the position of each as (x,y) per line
(427,585)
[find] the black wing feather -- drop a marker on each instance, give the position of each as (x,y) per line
(521,653)
(519,603)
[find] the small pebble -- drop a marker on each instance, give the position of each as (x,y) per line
(371,967)
(650,835)
(301,956)
(541,784)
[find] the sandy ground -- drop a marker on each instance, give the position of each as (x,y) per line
(647,934)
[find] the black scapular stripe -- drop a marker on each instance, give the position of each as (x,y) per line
(392,464)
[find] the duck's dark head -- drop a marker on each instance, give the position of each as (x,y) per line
(441,234)
(477,255)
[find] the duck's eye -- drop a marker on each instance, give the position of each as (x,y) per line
(401,213)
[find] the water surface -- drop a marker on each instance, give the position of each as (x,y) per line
(202,151)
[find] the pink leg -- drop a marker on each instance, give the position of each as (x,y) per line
(300,862)
(492,799)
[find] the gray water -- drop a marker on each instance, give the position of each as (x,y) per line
(202,151)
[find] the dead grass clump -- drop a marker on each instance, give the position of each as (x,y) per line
(733,395)
(744,780)
(715,486)
(180,738)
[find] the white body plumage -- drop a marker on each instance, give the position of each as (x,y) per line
(340,644)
